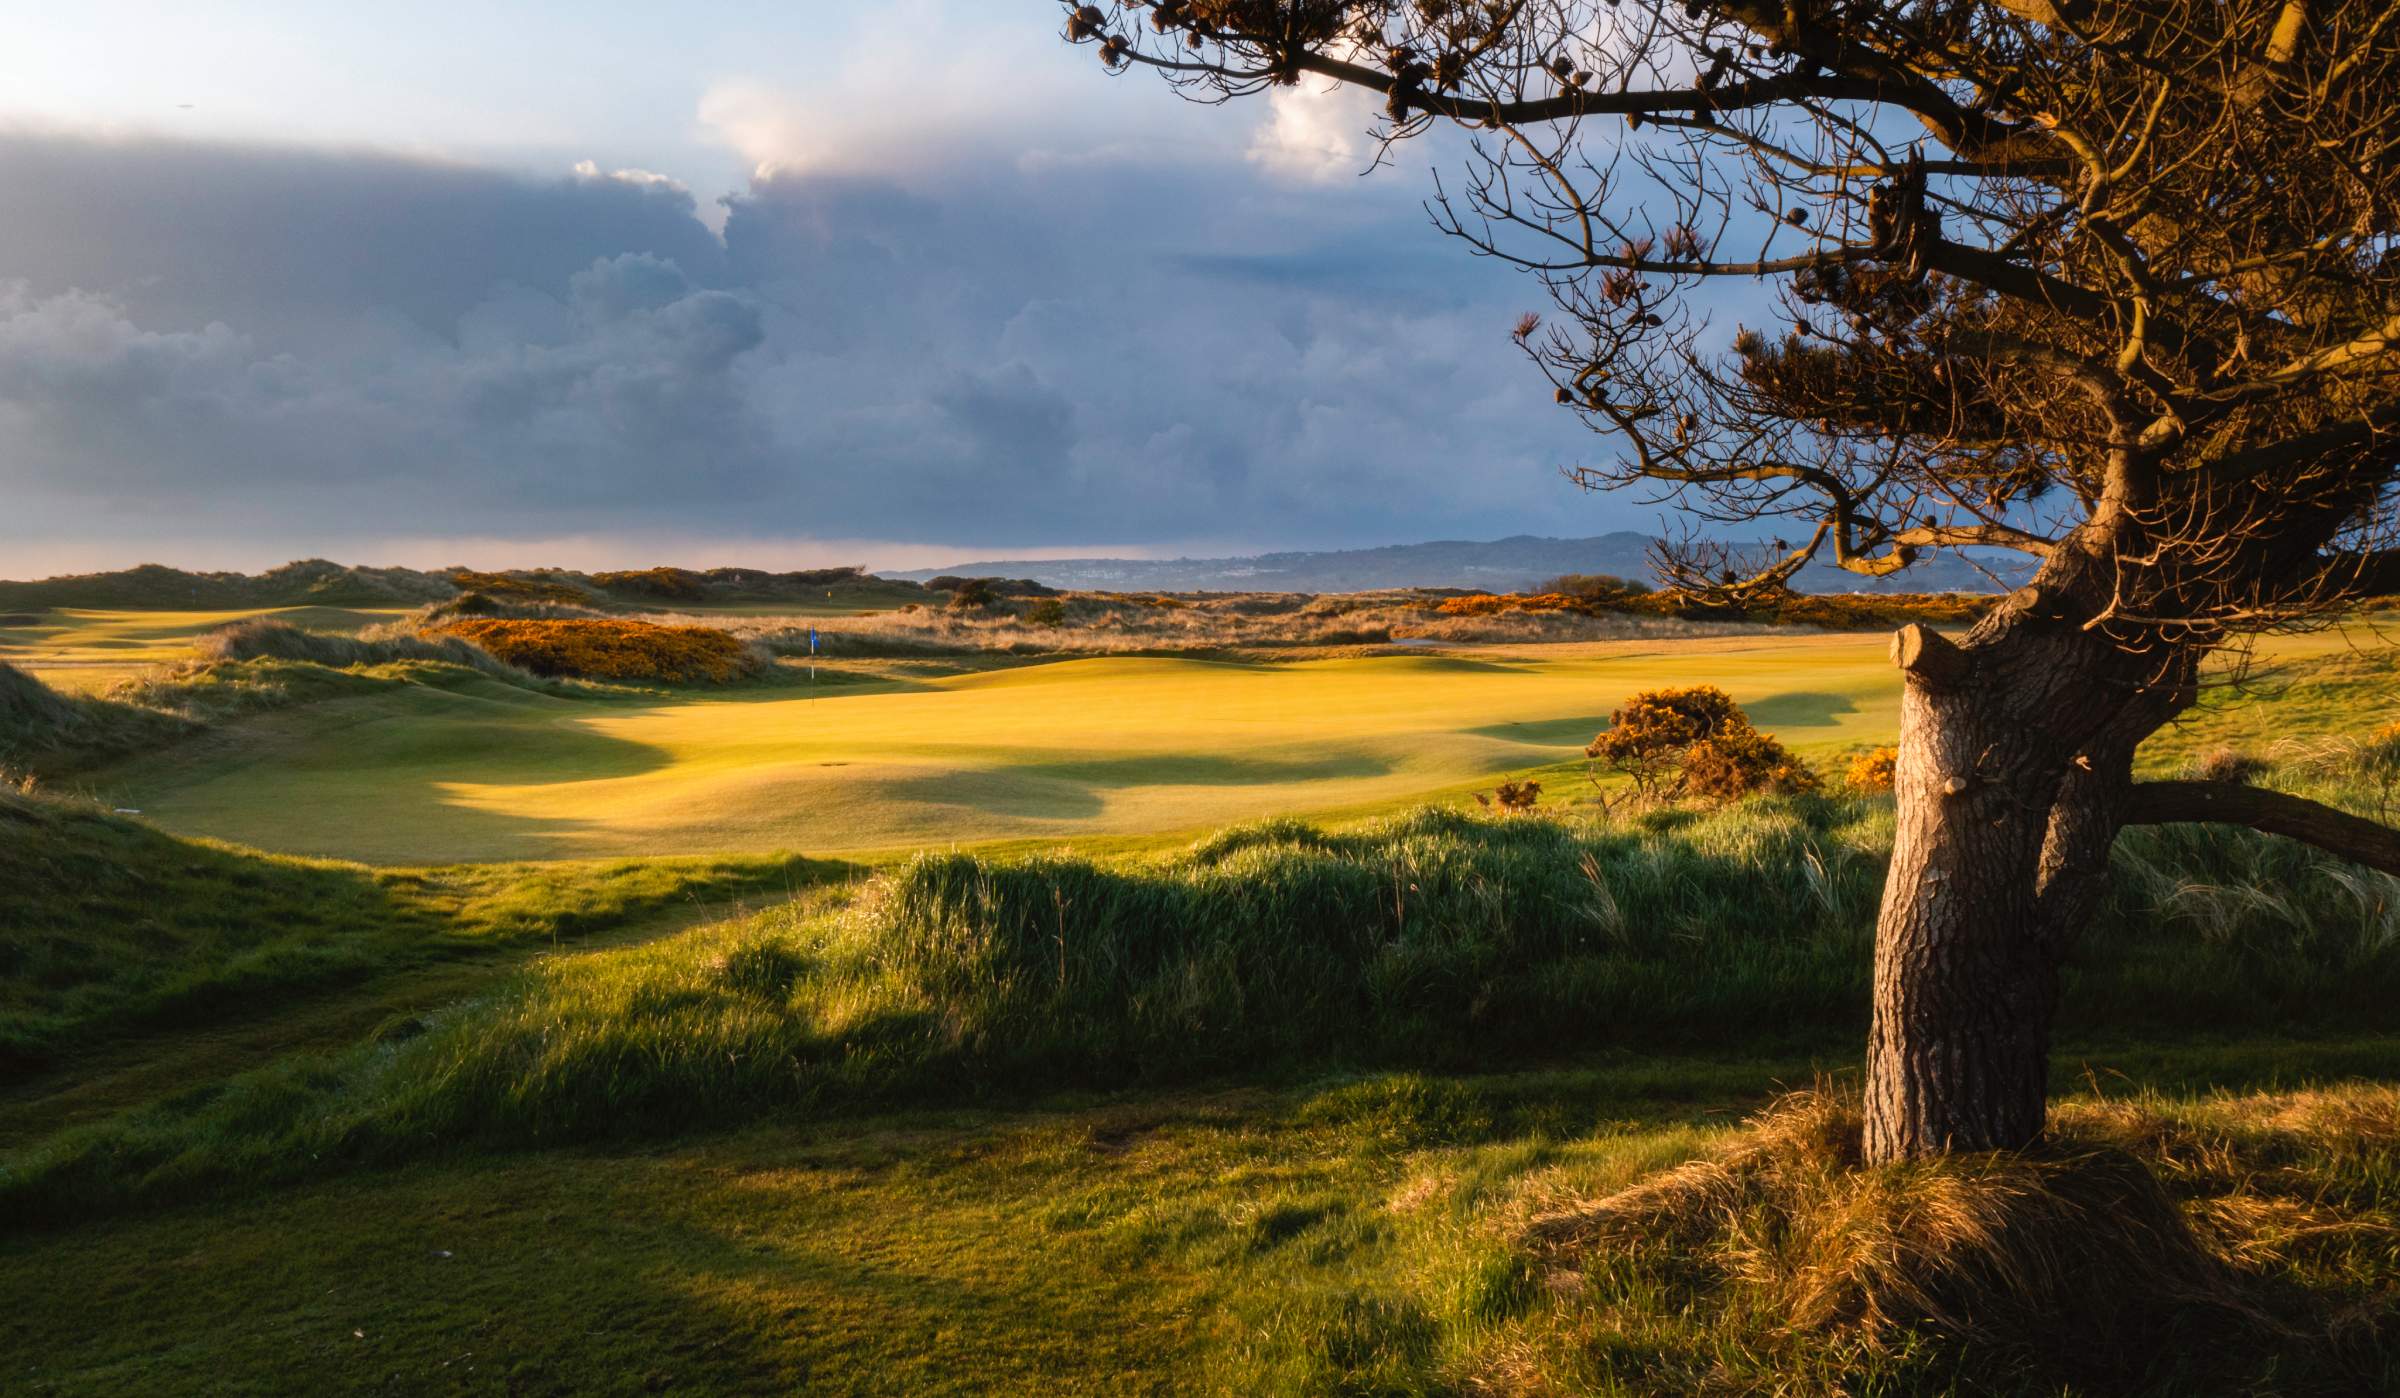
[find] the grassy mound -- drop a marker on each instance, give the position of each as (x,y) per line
(44,733)
(107,925)
(612,649)
(2239,1245)
(274,640)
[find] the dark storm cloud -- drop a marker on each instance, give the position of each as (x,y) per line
(230,338)
(269,238)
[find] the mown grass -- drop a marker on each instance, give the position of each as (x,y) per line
(1155,746)
(1358,1234)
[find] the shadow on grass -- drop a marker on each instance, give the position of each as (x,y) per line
(1800,710)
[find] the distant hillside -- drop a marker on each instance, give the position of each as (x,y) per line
(1502,565)
(315,582)
(311,582)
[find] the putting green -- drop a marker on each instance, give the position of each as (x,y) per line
(1079,747)
(1117,746)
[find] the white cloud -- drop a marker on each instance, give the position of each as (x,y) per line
(1313,134)
(590,170)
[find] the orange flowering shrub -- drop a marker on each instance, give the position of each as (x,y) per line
(1872,771)
(1696,741)
(611,650)
(1501,604)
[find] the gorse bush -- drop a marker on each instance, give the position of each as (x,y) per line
(612,650)
(1696,742)
(1871,772)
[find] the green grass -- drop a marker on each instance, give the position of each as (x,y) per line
(892,756)
(1131,746)
(82,647)
(1265,1111)
(1347,1235)
(109,926)
(1436,940)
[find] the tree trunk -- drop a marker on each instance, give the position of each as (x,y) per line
(2015,763)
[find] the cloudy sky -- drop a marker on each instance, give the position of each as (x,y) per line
(789,282)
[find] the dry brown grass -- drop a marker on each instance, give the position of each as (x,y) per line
(2261,1223)
(1089,623)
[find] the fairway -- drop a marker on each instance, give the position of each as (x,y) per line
(1115,746)
(1112,746)
(81,649)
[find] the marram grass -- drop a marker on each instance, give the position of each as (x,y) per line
(1433,940)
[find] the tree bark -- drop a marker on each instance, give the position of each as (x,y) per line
(1964,986)
(2013,778)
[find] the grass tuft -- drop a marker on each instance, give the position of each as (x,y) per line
(2147,1245)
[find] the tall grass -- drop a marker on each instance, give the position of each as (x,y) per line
(265,639)
(1436,939)
(45,733)
(2230,1244)
(108,926)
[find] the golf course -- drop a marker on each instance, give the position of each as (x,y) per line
(896,755)
(1184,1014)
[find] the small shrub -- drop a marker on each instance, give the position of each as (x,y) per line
(973,595)
(1049,611)
(1696,741)
(1871,772)
(1743,762)
(613,650)
(1513,796)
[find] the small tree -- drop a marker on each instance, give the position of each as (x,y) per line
(2110,284)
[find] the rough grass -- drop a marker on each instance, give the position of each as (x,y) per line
(1434,940)
(44,733)
(2234,1244)
(268,639)
(107,925)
